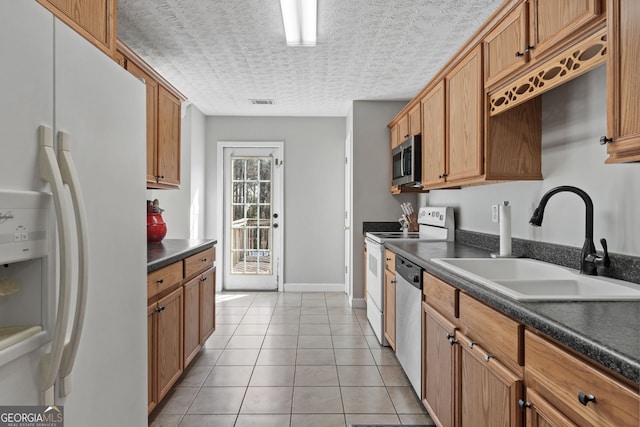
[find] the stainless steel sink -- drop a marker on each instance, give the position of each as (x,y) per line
(531,280)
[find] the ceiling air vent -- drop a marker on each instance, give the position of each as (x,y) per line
(262,101)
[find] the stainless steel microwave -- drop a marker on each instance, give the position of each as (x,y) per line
(407,162)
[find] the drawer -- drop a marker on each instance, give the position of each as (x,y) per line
(499,335)
(199,262)
(560,377)
(440,295)
(163,278)
(390,260)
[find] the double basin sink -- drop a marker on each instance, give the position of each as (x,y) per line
(526,279)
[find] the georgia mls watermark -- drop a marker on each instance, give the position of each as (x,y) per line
(31,416)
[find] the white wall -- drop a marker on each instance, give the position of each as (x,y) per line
(371,197)
(184,208)
(313,189)
(574,118)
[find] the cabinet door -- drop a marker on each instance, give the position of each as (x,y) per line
(151,357)
(390,308)
(551,21)
(191,319)
(169,341)
(93,19)
(403,129)
(394,137)
(433,137)
(505,45)
(465,113)
(488,390)
(415,120)
(438,366)
(540,413)
(623,82)
(168,138)
(207,304)
(152,119)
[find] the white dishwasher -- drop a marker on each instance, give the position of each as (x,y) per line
(409,320)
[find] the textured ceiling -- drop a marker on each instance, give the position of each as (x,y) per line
(221,53)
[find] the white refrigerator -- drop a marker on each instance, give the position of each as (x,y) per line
(52,76)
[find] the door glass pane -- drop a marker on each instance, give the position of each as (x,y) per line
(251,215)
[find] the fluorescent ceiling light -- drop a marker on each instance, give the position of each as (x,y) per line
(300,21)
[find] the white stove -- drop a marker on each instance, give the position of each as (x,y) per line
(436,224)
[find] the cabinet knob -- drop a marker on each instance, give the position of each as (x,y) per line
(203,260)
(522,404)
(604,140)
(160,309)
(487,357)
(529,48)
(388,259)
(393,281)
(161,281)
(519,54)
(444,175)
(586,398)
(203,279)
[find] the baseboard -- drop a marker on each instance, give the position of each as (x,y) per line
(358,303)
(314,287)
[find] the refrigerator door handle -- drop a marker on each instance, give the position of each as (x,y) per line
(50,361)
(70,178)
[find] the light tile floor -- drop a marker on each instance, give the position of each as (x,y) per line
(290,359)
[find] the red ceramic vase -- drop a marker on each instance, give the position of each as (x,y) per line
(156,227)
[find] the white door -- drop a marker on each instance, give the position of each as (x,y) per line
(347,219)
(252,216)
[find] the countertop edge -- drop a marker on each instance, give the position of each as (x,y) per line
(169,251)
(617,362)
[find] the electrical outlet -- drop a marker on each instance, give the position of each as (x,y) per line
(494,214)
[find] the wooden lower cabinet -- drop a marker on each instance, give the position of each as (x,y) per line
(180,318)
(151,358)
(191,319)
(390,308)
(540,413)
(168,341)
(207,304)
(488,390)
(438,366)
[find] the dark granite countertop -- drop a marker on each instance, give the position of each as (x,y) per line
(171,250)
(606,332)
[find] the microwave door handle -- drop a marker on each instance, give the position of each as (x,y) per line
(401,161)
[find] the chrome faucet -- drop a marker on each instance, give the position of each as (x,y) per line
(590,262)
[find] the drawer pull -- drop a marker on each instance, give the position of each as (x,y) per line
(203,260)
(471,344)
(586,398)
(388,259)
(161,281)
(487,357)
(160,309)
(522,404)
(203,279)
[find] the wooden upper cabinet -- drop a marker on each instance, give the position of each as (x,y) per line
(465,117)
(433,137)
(168,138)
(552,21)
(505,45)
(394,138)
(403,129)
(163,121)
(152,117)
(623,81)
(415,120)
(95,20)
